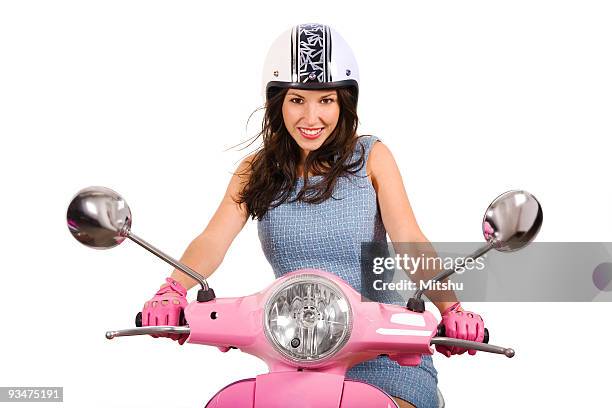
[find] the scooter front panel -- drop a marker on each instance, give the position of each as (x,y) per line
(239,394)
(358,394)
(298,389)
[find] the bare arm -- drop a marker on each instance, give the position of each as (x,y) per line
(396,212)
(207,250)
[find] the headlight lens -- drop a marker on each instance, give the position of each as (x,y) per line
(308,319)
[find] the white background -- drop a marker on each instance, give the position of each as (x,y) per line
(473,98)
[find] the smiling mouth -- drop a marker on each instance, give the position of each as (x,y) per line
(310,133)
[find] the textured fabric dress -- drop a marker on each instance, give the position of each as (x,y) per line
(328,236)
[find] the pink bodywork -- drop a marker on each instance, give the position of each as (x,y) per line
(377,329)
(300,390)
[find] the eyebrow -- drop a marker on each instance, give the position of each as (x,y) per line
(300,96)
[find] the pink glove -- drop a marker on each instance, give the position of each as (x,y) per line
(164,309)
(488,230)
(460,324)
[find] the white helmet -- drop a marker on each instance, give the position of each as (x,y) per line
(310,56)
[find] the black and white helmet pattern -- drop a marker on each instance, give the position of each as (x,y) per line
(310,56)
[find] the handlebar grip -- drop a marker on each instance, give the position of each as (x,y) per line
(442,333)
(182,320)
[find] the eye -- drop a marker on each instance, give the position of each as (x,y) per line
(327,101)
(296,100)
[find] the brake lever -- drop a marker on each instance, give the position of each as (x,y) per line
(472,345)
(138,331)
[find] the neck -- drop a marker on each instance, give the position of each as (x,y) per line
(300,166)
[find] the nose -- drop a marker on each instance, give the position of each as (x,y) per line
(312,114)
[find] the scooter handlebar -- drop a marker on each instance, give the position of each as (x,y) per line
(138,331)
(472,345)
(444,341)
(442,333)
(182,321)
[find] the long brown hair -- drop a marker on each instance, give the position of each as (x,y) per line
(273,168)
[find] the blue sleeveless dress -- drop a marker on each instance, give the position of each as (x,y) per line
(328,236)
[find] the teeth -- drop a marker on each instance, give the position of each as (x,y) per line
(311,132)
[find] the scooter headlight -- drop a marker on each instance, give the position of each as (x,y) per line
(308,319)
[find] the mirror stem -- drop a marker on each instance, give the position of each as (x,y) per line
(416,304)
(445,274)
(184,268)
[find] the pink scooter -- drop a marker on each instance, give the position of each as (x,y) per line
(309,326)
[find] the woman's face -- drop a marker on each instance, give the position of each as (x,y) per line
(310,116)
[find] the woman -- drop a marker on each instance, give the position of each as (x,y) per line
(318,191)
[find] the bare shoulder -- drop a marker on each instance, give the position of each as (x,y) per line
(245,168)
(240,177)
(245,164)
(379,154)
(381,164)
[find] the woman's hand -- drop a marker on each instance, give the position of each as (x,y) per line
(460,324)
(164,309)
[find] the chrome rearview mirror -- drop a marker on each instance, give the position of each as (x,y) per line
(99,218)
(512,221)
